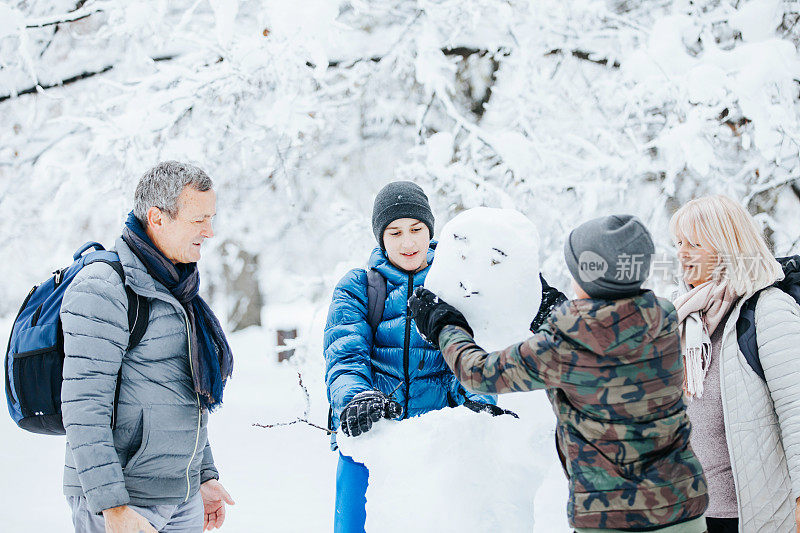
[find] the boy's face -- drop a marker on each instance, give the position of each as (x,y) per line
(406,241)
(580,294)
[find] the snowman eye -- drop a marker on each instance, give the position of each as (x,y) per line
(498,260)
(458,237)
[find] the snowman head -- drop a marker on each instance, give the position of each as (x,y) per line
(487,267)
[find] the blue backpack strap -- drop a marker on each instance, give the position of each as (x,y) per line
(89,245)
(376,298)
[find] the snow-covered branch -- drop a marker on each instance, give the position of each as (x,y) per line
(73,79)
(559,113)
(55,20)
(461,51)
(586,56)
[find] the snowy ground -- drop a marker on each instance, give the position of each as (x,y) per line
(283,478)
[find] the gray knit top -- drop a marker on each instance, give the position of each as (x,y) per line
(708,437)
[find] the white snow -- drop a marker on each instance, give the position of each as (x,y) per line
(11,21)
(487,267)
(440,150)
(225,16)
(451,470)
(757,76)
(706,84)
(757,19)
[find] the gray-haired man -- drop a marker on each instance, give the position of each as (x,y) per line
(153,469)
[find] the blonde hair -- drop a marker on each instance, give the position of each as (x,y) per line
(723,225)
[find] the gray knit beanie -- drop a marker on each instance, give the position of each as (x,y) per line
(609,257)
(400,199)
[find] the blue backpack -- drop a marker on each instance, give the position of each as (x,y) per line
(35,353)
(746,324)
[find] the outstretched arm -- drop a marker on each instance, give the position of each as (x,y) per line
(526,366)
(530,365)
(459,393)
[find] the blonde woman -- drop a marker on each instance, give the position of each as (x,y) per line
(745,430)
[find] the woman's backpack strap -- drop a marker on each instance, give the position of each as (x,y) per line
(746,334)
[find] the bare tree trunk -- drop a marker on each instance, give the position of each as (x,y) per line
(242,289)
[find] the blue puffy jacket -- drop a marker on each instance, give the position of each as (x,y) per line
(353,363)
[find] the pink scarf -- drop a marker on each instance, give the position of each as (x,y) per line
(700,311)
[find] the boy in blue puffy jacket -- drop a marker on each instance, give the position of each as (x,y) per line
(396,374)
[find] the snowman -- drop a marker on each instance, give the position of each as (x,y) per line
(487,267)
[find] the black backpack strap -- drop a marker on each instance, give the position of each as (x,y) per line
(790,284)
(138,308)
(746,324)
(138,316)
(746,334)
(376,298)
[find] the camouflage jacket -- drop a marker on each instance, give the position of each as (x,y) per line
(614,374)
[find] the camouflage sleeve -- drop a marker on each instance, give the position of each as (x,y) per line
(459,393)
(526,366)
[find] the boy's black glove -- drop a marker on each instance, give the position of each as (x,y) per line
(365,409)
(431,314)
(493,410)
(551,298)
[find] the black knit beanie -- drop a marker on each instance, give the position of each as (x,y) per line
(400,199)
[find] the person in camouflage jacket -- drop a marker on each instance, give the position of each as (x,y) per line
(612,367)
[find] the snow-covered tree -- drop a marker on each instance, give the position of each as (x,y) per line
(302,110)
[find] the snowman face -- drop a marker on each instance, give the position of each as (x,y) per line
(487,267)
(482,262)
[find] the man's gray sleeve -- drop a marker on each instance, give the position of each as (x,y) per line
(208,470)
(95,323)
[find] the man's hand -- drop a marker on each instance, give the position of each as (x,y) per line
(214,499)
(123,519)
(432,314)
